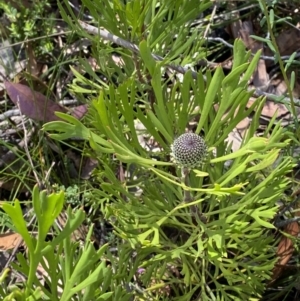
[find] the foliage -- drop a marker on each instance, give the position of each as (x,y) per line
(194,234)
(218,246)
(29,21)
(69,269)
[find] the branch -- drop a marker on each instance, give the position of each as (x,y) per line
(104,34)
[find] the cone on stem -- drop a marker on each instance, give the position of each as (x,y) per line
(189,150)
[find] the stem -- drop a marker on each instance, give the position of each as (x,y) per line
(34,258)
(185,179)
(273,40)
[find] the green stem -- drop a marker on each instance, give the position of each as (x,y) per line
(34,259)
(185,179)
(273,40)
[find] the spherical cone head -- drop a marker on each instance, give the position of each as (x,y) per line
(189,150)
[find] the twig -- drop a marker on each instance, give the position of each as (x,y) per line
(88,17)
(264,57)
(286,222)
(280,62)
(273,97)
(26,149)
(121,42)
(49,172)
(210,21)
(9,113)
(37,38)
(66,102)
(104,34)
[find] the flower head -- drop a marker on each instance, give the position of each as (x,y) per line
(189,150)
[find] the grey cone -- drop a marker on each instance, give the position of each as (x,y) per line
(189,150)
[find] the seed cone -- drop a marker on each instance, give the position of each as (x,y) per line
(189,150)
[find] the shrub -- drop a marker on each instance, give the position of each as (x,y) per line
(190,233)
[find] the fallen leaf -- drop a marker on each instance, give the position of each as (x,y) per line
(9,241)
(89,164)
(287,41)
(32,65)
(285,249)
(33,104)
(79,111)
(260,76)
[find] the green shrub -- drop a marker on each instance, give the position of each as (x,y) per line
(182,233)
(28,22)
(190,234)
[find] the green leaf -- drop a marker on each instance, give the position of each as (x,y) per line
(157,123)
(290,61)
(73,129)
(16,215)
(232,79)
(259,39)
(200,173)
(258,213)
(212,91)
(239,53)
(83,266)
(230,100)
(73,222)
(267,160)
(147,57)
(292,81)
(148,123)
(102,111)
(183,106)
(271,46)
(160,105)
(255,144)
(97,275)
(251,68)
(47,209)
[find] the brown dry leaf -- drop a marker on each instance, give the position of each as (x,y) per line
(34,70)
(285,249)
(270,109)
(288,41)
(234,138)
(243,30)
(84,165)
(89,164)
(279,86)
(34,82)
(79,111)
(9,241)
(234,27)
(261,77)
(261,80)
(33,104)
(32,66)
